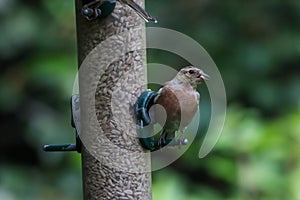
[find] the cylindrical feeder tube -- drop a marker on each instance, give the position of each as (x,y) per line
(112,74)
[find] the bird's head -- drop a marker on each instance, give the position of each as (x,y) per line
(193,75)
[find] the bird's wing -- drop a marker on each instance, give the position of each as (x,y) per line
(170,105)
(161,91)
(158,94)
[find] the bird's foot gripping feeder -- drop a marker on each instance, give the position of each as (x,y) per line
(145,127)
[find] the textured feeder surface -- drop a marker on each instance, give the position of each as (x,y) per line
(114,164)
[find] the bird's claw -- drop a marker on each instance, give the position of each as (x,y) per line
(161,142)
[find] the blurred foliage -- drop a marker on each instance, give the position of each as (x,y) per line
(256,46)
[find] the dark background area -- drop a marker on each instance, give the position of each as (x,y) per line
(256,46)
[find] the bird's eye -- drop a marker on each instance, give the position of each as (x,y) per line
(191,71)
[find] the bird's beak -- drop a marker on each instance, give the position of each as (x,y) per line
(204,76)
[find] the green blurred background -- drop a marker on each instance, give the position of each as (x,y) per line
(256,46)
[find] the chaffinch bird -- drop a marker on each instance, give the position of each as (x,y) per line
(179,99)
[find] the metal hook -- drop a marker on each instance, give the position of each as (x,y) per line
(75,122)
(139,10)
(98,8)
(102,8)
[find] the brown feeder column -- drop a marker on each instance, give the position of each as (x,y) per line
(112,74)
